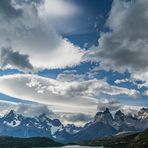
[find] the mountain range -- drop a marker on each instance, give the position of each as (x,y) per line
(104,124)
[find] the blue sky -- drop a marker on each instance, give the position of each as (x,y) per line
(74,55)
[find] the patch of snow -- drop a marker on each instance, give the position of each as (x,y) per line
(54,129)
(13,123)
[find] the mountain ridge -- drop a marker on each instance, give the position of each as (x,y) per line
(104,124)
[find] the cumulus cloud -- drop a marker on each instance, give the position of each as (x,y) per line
(11,59)
(72,75)
(122,81)
(69,77)
(111,104)
(29,34)
(125,46)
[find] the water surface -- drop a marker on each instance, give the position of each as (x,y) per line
(75,146)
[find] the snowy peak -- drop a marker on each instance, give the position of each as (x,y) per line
(119,113)
(44,119)
(104,124)
(72,129)
(12,119)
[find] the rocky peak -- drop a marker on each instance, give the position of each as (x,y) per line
(105,117)
(43,118)
(11,114)
(106,111)
(56,122)
(119,116)
(143,112)
(43,115)
(119,113)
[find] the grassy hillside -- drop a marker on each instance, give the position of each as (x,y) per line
(11,142)
(141,140)
(114,141)
(124,140)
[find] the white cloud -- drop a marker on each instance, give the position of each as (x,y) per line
(78,119)
(125,46)
(114,105)
(111,104)
(34,110)
(122,81)
(27,33)
(30,110)
(57,9)
(146,93)
(75,96)
(143,76)
(70,77)
(47,91)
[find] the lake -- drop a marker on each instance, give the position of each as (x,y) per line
(75,146)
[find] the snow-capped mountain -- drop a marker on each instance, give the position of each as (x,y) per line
(13,124)
(104,124)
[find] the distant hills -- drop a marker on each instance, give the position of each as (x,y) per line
(104,125)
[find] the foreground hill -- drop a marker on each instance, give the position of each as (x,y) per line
(11,142)
(141,140)
(123,140)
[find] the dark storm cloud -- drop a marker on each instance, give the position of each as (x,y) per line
(15,59)
(8,11)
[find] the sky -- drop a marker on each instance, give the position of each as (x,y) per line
(73,58)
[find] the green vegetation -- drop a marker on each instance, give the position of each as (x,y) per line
(11,142)
(124,140)
(141,140)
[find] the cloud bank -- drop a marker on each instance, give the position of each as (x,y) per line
(75,95)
